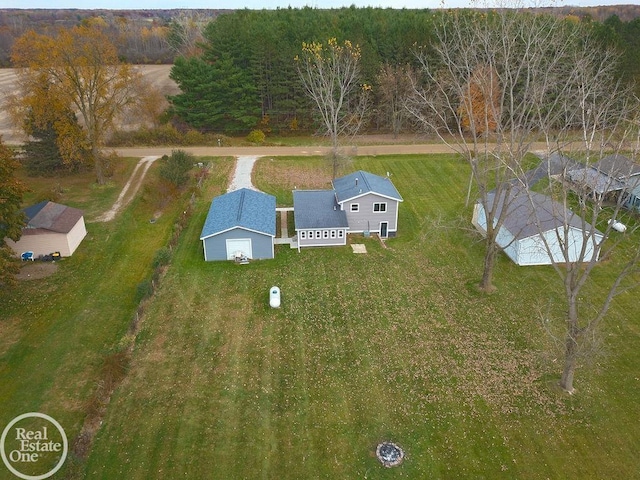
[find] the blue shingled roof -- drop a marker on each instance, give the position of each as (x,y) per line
(360,183)
(242,208)
(317,209)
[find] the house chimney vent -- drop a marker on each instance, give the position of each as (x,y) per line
(356,181)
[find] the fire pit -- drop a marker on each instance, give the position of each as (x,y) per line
(389,454)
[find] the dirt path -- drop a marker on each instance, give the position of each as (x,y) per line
(130,189)
(284,151)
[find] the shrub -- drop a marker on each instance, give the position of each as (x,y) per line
(162,258)
(175,169)
(256,136)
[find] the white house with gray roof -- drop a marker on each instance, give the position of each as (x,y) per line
(536,228)
(241,223)
(360,202)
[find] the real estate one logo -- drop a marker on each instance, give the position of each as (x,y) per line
(33,446)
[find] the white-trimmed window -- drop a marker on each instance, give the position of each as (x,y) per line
(355,207)
(340,233)
(380,207)
(325,234)
(303,235)
(333,234)
(318,234)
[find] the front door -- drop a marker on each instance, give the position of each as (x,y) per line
(383,229)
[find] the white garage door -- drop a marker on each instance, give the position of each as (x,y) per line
(239,245)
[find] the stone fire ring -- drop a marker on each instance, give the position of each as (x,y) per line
(389,454)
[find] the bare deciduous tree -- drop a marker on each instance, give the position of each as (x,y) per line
(186,32)
(524,58)
(330,75)
(556,92)
(394,84)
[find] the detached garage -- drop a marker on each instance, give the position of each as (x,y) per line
(51,227)
(240,224)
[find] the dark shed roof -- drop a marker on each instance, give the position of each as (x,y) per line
(534,213)
(51,216)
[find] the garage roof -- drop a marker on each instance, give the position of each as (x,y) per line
(244,208)
(50,216)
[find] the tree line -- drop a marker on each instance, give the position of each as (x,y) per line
(245,76)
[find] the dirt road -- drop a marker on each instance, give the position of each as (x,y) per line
(285,151)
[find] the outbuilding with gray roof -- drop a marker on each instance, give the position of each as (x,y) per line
(240,224)
(538,230)
(51,227)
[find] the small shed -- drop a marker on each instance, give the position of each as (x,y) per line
(51,227)
(241,223)
(534,232)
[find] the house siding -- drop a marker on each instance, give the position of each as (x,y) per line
(365,219)
(76,235)
(215,247)
(532,250)
(44,243)
(322,241)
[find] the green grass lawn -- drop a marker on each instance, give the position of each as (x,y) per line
(396,345)
(393,345)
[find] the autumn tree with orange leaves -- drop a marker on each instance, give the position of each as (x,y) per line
(479,109)
(74,70)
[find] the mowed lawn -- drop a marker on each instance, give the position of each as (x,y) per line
(396,344)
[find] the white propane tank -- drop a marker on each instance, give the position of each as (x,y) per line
(274,297)
(618,226)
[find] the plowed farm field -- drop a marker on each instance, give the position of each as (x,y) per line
(158,76)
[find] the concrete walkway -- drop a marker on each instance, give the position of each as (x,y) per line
(284,238)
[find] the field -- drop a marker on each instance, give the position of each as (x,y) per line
(395,345)
(156,75)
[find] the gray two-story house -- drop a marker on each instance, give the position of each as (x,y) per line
(360,202)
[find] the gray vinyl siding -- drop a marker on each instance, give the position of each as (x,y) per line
(365,219)
(321,242)
(215,247)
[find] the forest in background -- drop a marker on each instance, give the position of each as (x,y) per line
(256,49)
(142,35)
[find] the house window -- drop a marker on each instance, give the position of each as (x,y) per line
(317,233)
(340,233)
(355,207)
(325,234)
(303,235)
(333,234)
(380,207)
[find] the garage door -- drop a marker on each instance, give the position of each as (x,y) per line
(239,245)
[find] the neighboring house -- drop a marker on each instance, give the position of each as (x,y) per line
(241,223)
(615,177)
(51,227)
(319,220)
(533,231)
(370,202)
(360,202)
